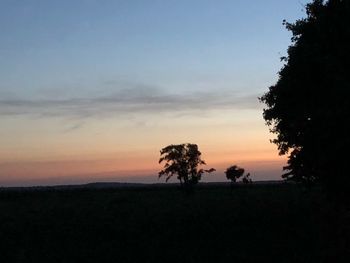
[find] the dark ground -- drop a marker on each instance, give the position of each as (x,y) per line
(258,223)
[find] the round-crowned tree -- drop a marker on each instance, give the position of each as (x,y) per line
(234,172)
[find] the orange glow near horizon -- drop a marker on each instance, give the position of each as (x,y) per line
(86,98)
(106,149)
(129,165)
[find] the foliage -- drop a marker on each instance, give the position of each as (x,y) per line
(308,108)
(234,172)
(184,161)
(246,179)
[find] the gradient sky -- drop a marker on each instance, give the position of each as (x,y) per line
(92,90)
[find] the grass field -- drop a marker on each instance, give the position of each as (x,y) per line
(277,223)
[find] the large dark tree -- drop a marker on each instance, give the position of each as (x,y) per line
(309,107)
(183,160)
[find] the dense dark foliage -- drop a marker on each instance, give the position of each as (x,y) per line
(234,172)
(184,161)
(309,106)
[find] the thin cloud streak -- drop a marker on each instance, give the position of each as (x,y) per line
(128,101)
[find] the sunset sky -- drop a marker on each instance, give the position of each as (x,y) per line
(92,90)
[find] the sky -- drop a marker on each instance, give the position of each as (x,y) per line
(92,90)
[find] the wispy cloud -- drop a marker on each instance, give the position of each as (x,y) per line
(128,101)
(74,127)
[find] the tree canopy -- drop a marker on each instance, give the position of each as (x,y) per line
(234,172)
(308,108)
(184,161)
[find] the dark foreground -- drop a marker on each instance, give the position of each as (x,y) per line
(276,223)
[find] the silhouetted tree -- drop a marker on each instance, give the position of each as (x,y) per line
(308,108)
(184,161)
(235,172)
(246,179)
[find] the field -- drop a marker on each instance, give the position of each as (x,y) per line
(277,222)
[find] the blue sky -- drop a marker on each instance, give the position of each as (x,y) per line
(82,47)
(74,73)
